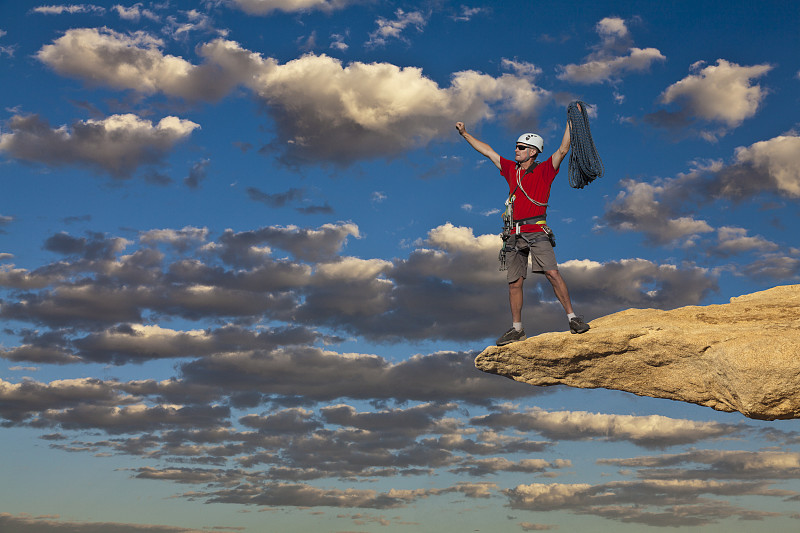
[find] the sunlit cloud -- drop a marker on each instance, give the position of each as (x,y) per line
(266,7)
(712,101)
(613,57)
(69,9)
(647,431)
(361,111)
(661,209)
(393,29)
(721,93)
(135,12)
(650,502)
(117,145)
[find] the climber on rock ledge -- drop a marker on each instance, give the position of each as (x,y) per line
(529,190)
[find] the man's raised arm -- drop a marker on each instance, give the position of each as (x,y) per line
(564,148)
(480,146)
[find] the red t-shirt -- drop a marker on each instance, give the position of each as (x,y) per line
(536,183)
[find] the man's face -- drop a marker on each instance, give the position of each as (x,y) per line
(522,152)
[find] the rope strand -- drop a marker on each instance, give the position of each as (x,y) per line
(584,162)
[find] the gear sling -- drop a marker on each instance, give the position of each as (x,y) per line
(509,223)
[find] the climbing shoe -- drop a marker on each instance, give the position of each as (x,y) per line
(577,325)
(512,335)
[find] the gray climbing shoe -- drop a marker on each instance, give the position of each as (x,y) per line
(510,336)
(577,325)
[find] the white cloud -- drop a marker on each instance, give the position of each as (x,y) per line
(305,371)
(652,431)
(69,9)
(21,278)
(455,254)
(530,526)
(393,29)
(338,42)
(548,496)
(720,464)
(106,56)
(600,70)
(350,269)
(135,61)
(117,144)
(655,207)
(459,239)
(134,12)
(735,240)
(265,7)
(722,93)
(493,465)
(193,21)
(180,239)
(612,57)
(52,524)
(612,28)
(467,13)
(522,68)
(245,249)
(651,502)
(20,400)
(779,159)
(377,109)
(777,266)
(138,342)
(324,110)
(638,208)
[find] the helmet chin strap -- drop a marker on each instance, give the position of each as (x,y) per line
(519,163)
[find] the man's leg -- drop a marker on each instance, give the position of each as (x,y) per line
(515,299)
(517,270)
(560,288)
(576,323)
(516,332)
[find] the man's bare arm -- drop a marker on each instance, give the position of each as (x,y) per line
(561,153)
(482,148)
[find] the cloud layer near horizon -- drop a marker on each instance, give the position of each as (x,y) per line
(442,289)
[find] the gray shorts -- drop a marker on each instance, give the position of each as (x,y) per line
(542,257)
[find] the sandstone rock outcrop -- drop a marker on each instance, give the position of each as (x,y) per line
(742,356)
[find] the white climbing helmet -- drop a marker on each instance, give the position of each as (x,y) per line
(531,139)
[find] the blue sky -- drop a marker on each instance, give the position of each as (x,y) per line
(247,262)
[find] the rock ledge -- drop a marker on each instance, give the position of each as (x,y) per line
(743,356)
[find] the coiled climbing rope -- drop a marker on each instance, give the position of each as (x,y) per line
(584,162)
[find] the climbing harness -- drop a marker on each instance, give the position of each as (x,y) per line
(584,162)
(540,221)
(509,223)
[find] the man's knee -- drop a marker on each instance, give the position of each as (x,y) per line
(552,274)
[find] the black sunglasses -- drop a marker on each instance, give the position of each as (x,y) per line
(522,147)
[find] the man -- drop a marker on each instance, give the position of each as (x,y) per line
(529,183)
